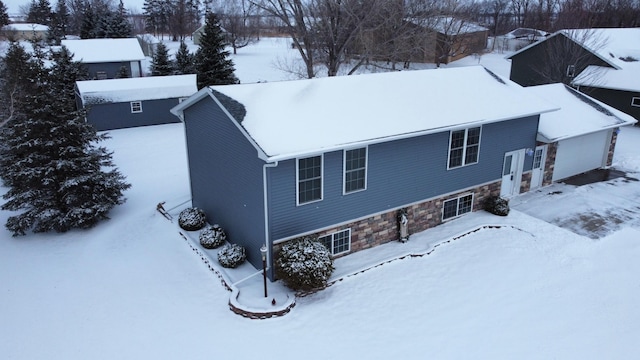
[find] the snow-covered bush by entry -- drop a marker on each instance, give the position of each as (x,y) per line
(192,219)
(212,237)
(231,255)
(304,264)
(497,205)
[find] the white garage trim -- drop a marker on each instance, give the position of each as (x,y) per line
(581,153)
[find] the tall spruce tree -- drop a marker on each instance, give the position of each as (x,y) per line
(4,15)
(39,12)
(59,20)
(58,177)
(15,81)
(160,63)
(184,60)
(213,66)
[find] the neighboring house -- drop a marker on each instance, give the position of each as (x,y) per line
(455,38)
(580,137)
(123,103)
(104,58)
(603,63)
(517,39)
(339,157)
(25,31)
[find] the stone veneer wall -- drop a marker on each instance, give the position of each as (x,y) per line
(612,146)
(525,184)
(383,228)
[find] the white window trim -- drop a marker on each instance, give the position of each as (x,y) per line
(457,198)
(132,107)
(635,101)
(464,148)
(333,235)
(298,180)
(344,170)
(571,70)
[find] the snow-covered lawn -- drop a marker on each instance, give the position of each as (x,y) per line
(132,289)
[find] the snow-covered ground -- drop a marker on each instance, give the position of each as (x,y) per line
(132,289)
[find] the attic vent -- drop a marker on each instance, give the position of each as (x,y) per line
(590,102)
(498,78)
(235,108)
(628,59)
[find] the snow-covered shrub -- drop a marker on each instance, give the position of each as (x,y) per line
(192,219)
(212,237)
(231,255)
(497,205)
(304,264)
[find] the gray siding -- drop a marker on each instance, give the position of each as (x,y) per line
(618,99)
(226,176)
(111,68)
(399,173)
(118,115)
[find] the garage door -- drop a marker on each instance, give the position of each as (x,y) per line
(580,154)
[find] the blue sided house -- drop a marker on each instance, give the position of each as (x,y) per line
(107,58)
(338,158)
(124,103)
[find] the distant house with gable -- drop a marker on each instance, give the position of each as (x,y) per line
(340,158)
(25,31)
(123,103)
(104,58)
(603,63)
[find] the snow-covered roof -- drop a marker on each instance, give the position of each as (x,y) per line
(526,33)
(105,50)
(626,79)
(293,118)
(25,27)
(136,89)
(579,114)
(616,46)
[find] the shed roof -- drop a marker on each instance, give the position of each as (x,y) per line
(136,89)
(293,118)
(579,114)
(105,50)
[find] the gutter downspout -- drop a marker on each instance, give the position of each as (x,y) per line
(266,215)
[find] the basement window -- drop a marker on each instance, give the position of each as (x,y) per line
(338,242)
(455,207)
(136,107)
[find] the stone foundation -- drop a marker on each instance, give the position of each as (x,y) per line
(549,163)
(612,146)
(383,228)
(525,184)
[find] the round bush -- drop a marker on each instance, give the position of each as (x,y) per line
(497,205)
(212,237)
(304,264)
(192,219)
(231,255)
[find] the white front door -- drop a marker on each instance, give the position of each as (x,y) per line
(512,173)
(537,172)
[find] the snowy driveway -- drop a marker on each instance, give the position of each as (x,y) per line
(593,210)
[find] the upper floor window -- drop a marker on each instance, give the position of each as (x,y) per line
(571,70)
(355,170)
(464,146)
(635,101)
(309,171)
(136,107)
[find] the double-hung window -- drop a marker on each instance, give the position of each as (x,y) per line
(309,179)
(635,101)
(456,207)
(571,70)
(355,170)
(338,242)
(464,147)
(136,107)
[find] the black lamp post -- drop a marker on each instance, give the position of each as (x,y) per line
(263,251)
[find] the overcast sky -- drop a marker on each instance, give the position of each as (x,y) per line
(13,6)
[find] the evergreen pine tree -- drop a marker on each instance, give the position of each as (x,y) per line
(211,60)
(119,27)
(56,174)
(4,16)
(184,60)
(39,12)
(123,73)
(160,63)
(59,20)
(89,23)
(14,77)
